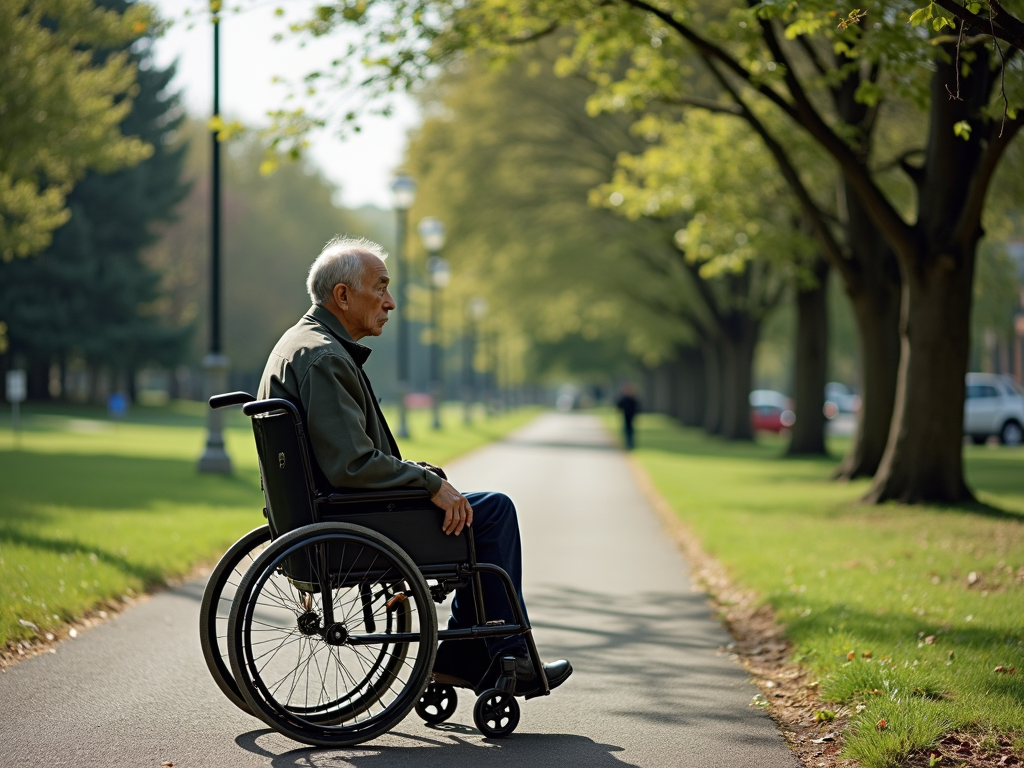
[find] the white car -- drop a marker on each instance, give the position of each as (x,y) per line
(994,406)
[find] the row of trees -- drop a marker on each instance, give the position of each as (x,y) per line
(104,211)
(90,140)
(887,127)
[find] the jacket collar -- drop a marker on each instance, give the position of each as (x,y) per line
(337,330)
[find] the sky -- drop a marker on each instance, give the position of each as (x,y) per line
(361,165)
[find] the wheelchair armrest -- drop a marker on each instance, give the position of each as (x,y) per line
(362,497)
(230,398)
(257,407)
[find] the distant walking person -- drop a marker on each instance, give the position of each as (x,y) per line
(630,407)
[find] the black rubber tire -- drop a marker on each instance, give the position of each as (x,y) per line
(496,713)
(437,703)
(1011,433)
(332,718)
(979,439)
(216,607)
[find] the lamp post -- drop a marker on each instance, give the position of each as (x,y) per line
(215,459)
(403,190)
(432,234)
(476,310)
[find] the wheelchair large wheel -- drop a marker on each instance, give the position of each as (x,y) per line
(216,607)
(332,682)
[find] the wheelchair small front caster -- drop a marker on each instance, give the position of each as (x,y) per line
(437,703)
(496,713)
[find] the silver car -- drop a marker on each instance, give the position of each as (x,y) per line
(993,407)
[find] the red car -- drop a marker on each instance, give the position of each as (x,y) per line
(771,411)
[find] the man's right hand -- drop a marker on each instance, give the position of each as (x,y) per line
(458,512)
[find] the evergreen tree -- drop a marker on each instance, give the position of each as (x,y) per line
(90,294)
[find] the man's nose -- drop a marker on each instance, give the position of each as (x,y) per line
(389,301)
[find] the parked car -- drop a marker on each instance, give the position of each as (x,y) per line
(993,407)
(839,399)
(771,411)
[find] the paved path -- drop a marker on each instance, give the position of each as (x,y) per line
(605,588)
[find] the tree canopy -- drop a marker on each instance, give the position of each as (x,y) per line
(61,108)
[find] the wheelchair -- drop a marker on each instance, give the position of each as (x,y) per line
(322,622)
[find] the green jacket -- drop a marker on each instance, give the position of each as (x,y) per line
(317,366)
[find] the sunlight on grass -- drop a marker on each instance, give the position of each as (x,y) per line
(934,596)
(91,510)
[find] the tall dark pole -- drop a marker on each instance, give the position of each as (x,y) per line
(215,334)
(215,459)
(403,330)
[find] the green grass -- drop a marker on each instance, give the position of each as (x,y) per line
(91,510)
(935,595)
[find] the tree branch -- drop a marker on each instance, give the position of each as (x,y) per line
(886,217)
(711,105)
(999,139)
(812,54)
(710,51)
(532,36)
(833,250)
(1000,23)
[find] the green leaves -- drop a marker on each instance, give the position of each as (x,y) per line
(60,109)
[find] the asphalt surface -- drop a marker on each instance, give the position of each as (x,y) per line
(605,588)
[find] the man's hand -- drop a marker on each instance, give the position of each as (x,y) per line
(458,513)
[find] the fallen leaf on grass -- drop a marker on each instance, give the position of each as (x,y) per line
(29,624)
(930,640)
(851,655)
(1001,670)
(882,724)
(866,654)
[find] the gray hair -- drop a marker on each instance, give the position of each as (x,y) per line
(340,262)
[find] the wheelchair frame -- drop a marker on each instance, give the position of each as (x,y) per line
(400,524)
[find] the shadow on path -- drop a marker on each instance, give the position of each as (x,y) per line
(450,750)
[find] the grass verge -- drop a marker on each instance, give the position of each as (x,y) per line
(909,616)
(93,510)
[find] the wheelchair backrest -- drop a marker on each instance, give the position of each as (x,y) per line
(285,469)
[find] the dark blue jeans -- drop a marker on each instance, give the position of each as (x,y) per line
(496,533)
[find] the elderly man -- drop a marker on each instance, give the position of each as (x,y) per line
(318,365)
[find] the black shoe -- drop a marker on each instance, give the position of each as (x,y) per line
(527,684)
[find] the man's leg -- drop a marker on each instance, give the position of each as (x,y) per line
(496,534)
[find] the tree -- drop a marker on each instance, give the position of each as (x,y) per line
(89,294)
(739,244)
(60,109)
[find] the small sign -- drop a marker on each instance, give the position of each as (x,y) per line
(16,386)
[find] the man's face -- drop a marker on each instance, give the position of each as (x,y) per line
(367,309)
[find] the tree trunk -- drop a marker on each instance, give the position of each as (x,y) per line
(923,458)
(38,380)
(737,349)
(875,297)
(713,388)
(691,386)
(808,433)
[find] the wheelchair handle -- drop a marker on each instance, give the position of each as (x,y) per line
(257,407)
(230,398)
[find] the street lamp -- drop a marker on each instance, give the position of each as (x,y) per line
(476,310)
(215,459)
(432,234)
(403,191)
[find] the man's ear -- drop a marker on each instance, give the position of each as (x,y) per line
(340,296)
